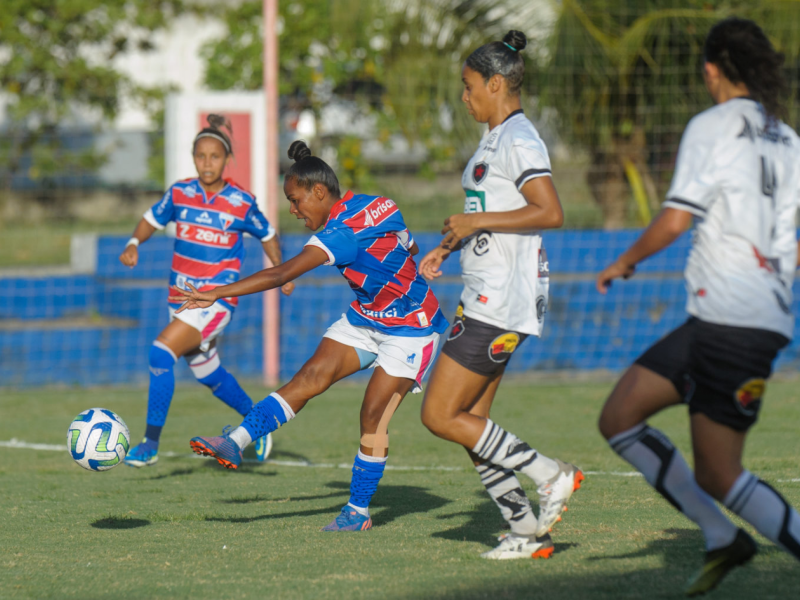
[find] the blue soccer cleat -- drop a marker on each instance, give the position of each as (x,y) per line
(349,520)
(221,447)
(142,455)
(263,447)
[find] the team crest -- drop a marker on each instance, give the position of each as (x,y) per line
(235,199)
(748,396)
(226,220)
(503,346)
(479,172)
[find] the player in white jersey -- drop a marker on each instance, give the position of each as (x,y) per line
(510,199)
(737,176)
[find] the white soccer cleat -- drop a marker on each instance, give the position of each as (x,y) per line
(554,494)
(521,546)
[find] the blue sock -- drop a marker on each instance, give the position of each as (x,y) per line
(265,417)
(152,434)
(366,475)
(225,387)
(162,386)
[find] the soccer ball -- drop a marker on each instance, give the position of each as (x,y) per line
(98,439)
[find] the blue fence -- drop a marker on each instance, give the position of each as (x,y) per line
(97,329)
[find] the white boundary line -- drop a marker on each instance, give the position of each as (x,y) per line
(15,443)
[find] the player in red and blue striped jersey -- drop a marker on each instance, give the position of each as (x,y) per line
(393,325)
(211,216)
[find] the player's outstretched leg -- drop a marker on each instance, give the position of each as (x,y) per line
(556,480)
(162,387)
(367,473)
(208,370)
(266,416)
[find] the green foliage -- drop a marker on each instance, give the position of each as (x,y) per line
(55,65)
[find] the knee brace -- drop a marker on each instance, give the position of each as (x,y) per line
(203,365)
(379,441)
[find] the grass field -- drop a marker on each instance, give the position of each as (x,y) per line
(186,528)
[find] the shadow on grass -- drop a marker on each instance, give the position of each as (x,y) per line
(395,501)
(120,523)
(260,498)
(676,547)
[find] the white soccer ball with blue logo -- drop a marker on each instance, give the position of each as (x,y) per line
(98,439)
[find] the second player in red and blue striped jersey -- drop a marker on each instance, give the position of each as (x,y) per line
(209,230)
(368,241)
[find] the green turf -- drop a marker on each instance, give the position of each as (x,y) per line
(186,528)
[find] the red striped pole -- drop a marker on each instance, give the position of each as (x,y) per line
(271,310)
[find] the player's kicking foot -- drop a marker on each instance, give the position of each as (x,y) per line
(263,447)
(722,561)
(553,495)
(221,447)
(521,546)
(349,520)
(142,455)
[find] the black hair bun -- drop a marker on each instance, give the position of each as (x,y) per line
(299,150)
(219,121)
(515,39)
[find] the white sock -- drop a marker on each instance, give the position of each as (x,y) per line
(504,449)
(364,512)
(504,488)
(651,452)
(241,437)
(766,510)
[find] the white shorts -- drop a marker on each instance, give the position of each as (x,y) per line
(208,321)
(399,356)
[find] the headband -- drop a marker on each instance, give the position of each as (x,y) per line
(216,137)
(510,46)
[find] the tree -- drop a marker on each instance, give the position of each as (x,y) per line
(55,64)
(624,77)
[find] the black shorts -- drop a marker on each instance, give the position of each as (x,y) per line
(720,371)
(482,348)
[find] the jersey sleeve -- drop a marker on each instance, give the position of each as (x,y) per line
(256,224)
(694,184)
(162,212)
(528,160)
(339,244)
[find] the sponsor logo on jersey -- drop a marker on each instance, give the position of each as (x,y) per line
(203,218)
(235,199)
(544,264)
(163,204)
(479,171)
(226,220)
(483,299)
(503,346)
(748,396)
(198,234)
(256,222)
(770,134)
(190,191)
(184,212)
(379,314)
(376,214)
(541,308)
(460,311)
(423,319)
(481,246)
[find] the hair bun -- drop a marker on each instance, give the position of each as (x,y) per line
(516,39)
(299,150)
(219,121)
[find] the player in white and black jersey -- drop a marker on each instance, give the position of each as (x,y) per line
(737,175)
(510,199)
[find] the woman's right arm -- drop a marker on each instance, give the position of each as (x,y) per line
(310,258)
(142,233)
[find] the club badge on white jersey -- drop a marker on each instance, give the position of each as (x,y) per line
(739,174)
(506,276)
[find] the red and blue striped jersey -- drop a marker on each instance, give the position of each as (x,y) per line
(209,229)
(368,241)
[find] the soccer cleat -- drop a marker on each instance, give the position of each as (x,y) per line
(521,546)
(553,495)
(349,520)
(221,447)
(142,455)
(720,562)
(263,447)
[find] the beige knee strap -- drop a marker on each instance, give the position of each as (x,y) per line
(379,441)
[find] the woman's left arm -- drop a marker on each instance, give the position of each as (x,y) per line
(543,212)
(272,248)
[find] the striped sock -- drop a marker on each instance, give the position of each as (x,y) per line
(504,488)
(504,449)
